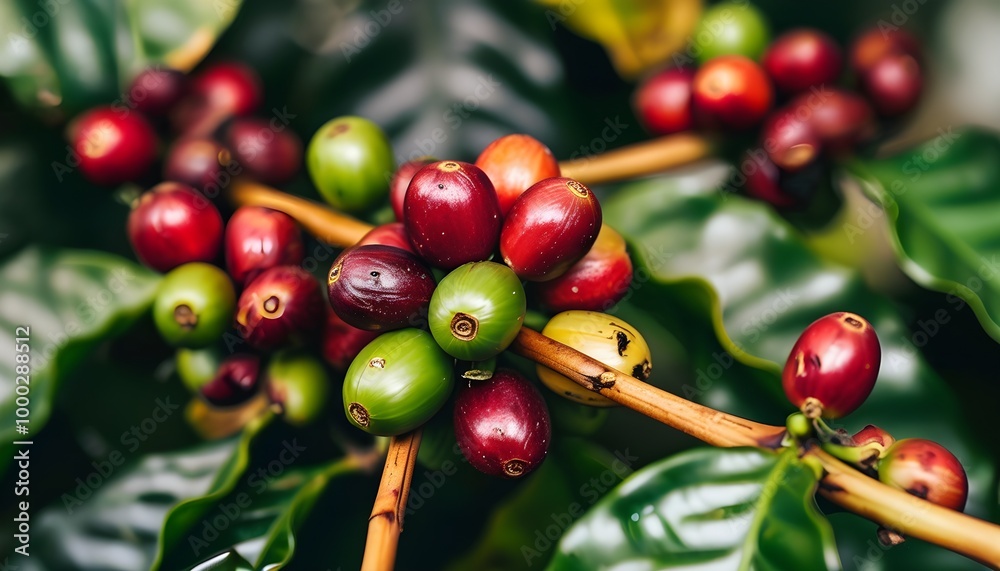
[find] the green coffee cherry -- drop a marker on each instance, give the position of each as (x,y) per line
(194,305)
(298,384)
(397,382)
(350,161)
(196,367)
(477,310)
(727,28)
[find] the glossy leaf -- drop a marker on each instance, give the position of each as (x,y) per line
(941,200)
(733,264)
(70,301)
(706,509)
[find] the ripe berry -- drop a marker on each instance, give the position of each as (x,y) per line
(927,470)
(802,58)
(235,381)
(477,310)
(514,163)
(342,342)
(833,366)
(281,305)
(397,382)
(599,336)
(113,145)
(452,214)
(731,28)
(270,153)
(502,424)
(731,92)
(598,281)
(259,238)
(391,234)
(401,180)
(349,161)
(200,163)
(791,143)
(298,384)
(379,288)
(875,44)
(194,305)
(218,92)
(663,102)
(893,84)
(172,225)
(156,90)
(841,119)
(550,227)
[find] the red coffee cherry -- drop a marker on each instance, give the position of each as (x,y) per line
(801,59)
(391,234)
(401,180)
(156,90)
(173,224)
(220,91)
(113,145)
(833,366)
(731,92)
(236,381)
(342,342)
(269,151)
(875,44)
(598,281)
(663,102)
(514,163)
(927,470)
(841,119)
(893,84)
(282,305)
(790,143)
(258,239)
(201,163)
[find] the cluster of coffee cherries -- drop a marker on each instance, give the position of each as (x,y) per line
(829,374)
(742,74)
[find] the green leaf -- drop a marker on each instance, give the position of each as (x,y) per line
(741,508)
(69,301)
(730,273)
(73,54)
(228,561)
(941,200)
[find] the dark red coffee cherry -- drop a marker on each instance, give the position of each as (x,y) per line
(833,366)
(113,145)
(156,90)
(873,436)
(790,142)
(893,84)
(401,180)
(549,228)
(269,150)
(259,238)
(514,163)
(200,163)
(927,470)
(452,214)
(282,305)
(220,91)
(173,224)
(801,59)
(841,119)
(379,288)
(595,283)
(235,382)
(782,189)
(342,342)
(502,424)
(663,102)
(875,44)
(391,234)
(731,92)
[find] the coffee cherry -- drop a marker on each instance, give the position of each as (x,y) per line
(452,214)
(877,43)
(156,90)
(550,227)
(833,366)
(801,59)
(731,92)
(281,305)
(873,436)
(349,161)
(502,424)
(235,381)
(218,92)
(790,143)
(271,154)
(927,470)
(379,288)
(477,310)
(172,225)
(194,305)
(663,102)
(342,342)
(780,188)
(598,281)
(200,163)
(259,238)
(893,84)
(298,384)
(113,145)
(599,336)
(731,28)
(401,180)
(841,119)
(196,367)
(397,382)
(514,163)
(391,234)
